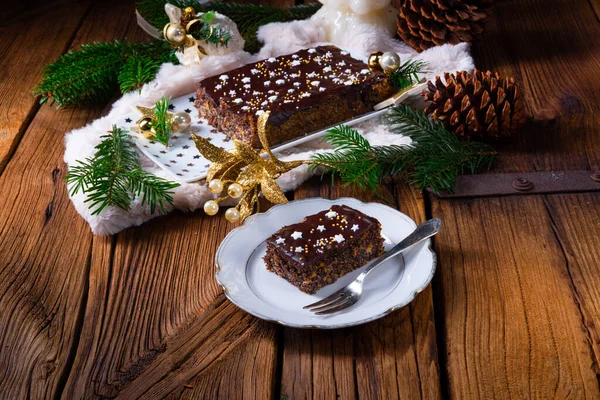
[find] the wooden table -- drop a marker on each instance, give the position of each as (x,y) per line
(513,311)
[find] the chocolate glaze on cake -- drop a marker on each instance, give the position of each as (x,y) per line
(323,247)
(304,91)
(321,233)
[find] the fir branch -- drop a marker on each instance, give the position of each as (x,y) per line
(407,74)
(113,175)
(162,124)
(434,159)
(248,17)
(137,71)
(90,75)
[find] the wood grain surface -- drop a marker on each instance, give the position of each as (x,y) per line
(512,312)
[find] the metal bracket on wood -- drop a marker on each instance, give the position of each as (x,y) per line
(486,185)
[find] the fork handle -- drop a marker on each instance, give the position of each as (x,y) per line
(423,232)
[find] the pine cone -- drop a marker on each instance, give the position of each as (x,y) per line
(427,23)
(482,105)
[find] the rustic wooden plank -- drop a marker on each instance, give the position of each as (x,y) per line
(45,249)
(47,257)
(510,324)
(28,41)
(395,356)
(577,227)
(161,284)
(554,51)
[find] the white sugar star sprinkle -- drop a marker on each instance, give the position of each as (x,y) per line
(339,238)
(267,83)
(331,214)
(246,80)
(312,50)
(354,228)
(320,228)
(238,100)
(327,69)
(232,93)
(280,240)
(298,249)
(260,112)
(315,83)
(254,71)
(295,63)
(272,98)
(224,77)
(280,81)
(297,235)
(218,87)
(272,59)
(364,71)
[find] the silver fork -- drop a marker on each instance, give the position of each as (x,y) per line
(350,294)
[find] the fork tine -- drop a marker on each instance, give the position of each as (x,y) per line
(333,303)
(326,300)
(340,306)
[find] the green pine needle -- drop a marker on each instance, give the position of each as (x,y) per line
(434,159)
(248,17)
(407,74)
(162,125)
(90,75)
(113,176)
(137,71)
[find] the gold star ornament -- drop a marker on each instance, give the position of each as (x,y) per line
(242,172)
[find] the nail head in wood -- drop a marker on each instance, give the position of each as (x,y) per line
(522,185)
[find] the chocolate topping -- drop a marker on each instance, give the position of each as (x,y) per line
(309,241)
(289,83)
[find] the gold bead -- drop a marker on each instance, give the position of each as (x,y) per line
(232,215)
(374,59)
(189,12)
(145,124)
(211,207)
(215,186)
(235,190)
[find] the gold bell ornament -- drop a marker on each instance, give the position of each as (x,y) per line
(182,22)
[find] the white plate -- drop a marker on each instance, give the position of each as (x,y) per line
(181,159)
(242,273)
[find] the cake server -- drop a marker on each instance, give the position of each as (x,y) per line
(350,294)
(379,110)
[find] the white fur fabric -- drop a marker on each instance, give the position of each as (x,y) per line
(177,80)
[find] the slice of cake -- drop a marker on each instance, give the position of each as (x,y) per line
(304,92)
(324,247)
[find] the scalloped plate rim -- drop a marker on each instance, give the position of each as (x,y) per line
(265,214)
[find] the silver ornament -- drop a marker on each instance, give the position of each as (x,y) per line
(183,120)
(175,34)
(389,62)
